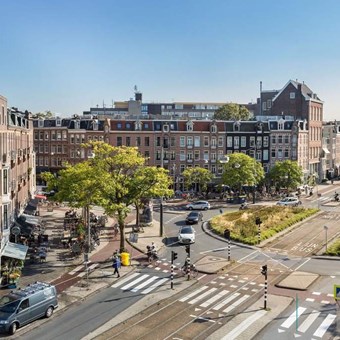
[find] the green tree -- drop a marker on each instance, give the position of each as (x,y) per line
(232,111)
(197,175)
(123,179)
(242,169)
(286,174)
(47,114)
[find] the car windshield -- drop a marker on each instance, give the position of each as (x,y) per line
(9,307)
(186,231)
(193,214)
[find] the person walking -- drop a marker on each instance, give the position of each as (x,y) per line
(116,265)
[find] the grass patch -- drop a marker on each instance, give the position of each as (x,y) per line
(334,248)
(274,219)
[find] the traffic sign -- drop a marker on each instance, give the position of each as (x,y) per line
(337,292)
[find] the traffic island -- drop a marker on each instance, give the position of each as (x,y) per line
(298,280)
(211,264)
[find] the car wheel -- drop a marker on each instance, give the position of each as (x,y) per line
(205,208)
(49,312)
(13,328)
(190,208)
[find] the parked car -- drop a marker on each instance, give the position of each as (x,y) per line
(194,217)
(289,201)
(23,306)
(186,235)
(199,205)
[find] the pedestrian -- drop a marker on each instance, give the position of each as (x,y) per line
(116,265)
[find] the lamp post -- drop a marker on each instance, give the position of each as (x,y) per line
(326,228)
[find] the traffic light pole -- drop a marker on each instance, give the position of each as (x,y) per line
(173,258)
(227,236)
(264,272)
(187,249)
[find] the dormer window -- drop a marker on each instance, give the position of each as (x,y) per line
(58,121)
(213,128)
(237,126)
(95,124)
(165,128)
(281,125)
(77,124)
(41,123)
(190,125)
(138,125)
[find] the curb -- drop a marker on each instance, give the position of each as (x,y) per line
(332,258)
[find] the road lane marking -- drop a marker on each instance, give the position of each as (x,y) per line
(129,285)
(244,325)
(75,270)
(310,300)
(145,283)
(325,302)
(320,332)
(316,293)
(243,258)
(202,296)
(155,285)
(301,265)
(236,303)
(214,298)
(126,279)
(227,300)
(201,277)
(292,318)
(93,266)
(308,322)
(197,291)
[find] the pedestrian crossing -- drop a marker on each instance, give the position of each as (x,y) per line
(308,320)
(141,283)
(80,271)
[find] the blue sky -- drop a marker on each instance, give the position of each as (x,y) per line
(69,55)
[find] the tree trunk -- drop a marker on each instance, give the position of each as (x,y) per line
(137,214)
(121,223)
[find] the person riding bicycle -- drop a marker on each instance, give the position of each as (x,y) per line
(336,196)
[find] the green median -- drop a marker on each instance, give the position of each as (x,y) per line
(334,249)
(242,224)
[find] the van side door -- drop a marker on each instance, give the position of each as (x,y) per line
(24,312)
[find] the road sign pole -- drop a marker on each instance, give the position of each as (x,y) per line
(265,291)
(188,267)
(229,249)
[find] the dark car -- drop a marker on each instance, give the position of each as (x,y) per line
(194,217)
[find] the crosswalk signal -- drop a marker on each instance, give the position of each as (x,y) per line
(173,256)
(264,270)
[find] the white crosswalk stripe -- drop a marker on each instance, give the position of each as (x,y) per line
(137,281)
(197,291)
(236,303)
(214,298)
(311,321)
(225,301)
(202,296)
(91,267)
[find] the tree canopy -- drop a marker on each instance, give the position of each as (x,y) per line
(286,174)
(46,114)
(232,111)
(197,175)
(115,178)
(240,170)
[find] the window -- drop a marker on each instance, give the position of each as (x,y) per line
(273,153)
(213,142)
(236,142)
(128,141)
(46,135)
(41,135)
(259,155)
(279,153)
(4,181)
(269,103)
(229,142)
(182,142)
(166,128)
(281,125)
(128,126)
(265,155)
(220,154)
(119,126)
(190,126)
(286,153)
(206,156)
(243,142)
(264,106)
(147,141)
(213,128)
(158,141)
(36,135)
(119,141)
(265,141)
(252,141)
(286,139)
(273,139)
(138,141)
(206,141)
(292,95)
(77,139)
(172,155)
(259,142)
(279,139)
(40,123)
(213,169)
(189,156)
(197,155)
(172,141)
(59,135)
(158,155)
(182,155)
(147,154)
(59,148)
(213,156)
(220,141)
(189,141)
(5,216)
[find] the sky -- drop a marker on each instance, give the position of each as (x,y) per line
(69,55)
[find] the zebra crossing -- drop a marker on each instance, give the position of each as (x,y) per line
(80,271)
(141,283)
(307,320)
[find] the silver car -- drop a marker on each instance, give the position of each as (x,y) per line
(289,201)
(186,235)
(199,205)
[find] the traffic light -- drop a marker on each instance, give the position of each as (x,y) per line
(173,256)
(264,270)
(227,234)
(187,249)
(258,221)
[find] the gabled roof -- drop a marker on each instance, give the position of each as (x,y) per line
(305,90)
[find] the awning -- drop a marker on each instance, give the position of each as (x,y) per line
(325,150)
(15,251)
(43,197)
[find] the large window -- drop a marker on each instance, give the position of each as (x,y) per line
(182,155)
(243,142)
(220,141)
(119,141)
(206,141)
(4,181)
(229,142)
(182,142)
(197,141)
(147,141)
(5,216)
(189,141)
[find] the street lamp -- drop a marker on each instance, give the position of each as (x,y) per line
(326,228)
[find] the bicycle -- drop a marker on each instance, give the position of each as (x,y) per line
(193,270)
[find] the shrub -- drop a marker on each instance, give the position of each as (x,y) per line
(334,249)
